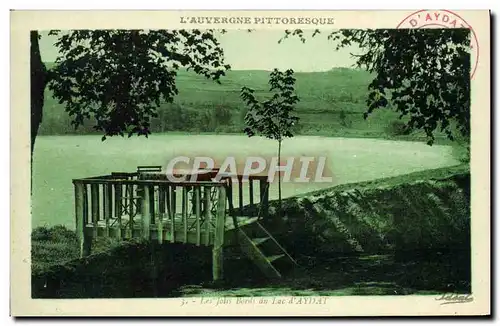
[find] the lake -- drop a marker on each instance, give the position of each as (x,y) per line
(59,159)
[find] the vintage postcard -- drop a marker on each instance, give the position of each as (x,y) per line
(250,163)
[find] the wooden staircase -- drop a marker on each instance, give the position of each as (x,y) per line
(263,249)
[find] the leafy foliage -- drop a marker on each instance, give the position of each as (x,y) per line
(272,118)
(423,73)
(222,115)
(397,128)
(120,77)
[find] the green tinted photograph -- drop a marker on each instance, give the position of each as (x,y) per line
(234,163)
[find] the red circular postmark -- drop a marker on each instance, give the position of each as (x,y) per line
(442,19)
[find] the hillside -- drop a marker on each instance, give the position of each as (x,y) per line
(331,103)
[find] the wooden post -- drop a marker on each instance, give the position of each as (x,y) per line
(130,194)
(264,197)
(218,248)
(118,209)
(159,225)
(250,187)
(108,206)
(118,200)
(139,193)
(80,199)
(173,203)
(94,199)
(229,195)
(161,195)
(172,213)
(206,208)
(197,203)
(131,211)
(146,216)
(240,195)
(184,213)
(152,209)
(86,213)
(168,204)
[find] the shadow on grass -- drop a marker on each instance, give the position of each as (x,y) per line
(183,271)
(357,275)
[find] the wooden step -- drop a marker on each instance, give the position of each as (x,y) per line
(279,247)
(263,249)
(274,257)
(253,252)
(258,241)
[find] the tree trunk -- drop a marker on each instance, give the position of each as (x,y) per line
(38,82)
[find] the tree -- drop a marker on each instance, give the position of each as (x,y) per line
(272,118)
(119,77)
(38,81)
(423,73)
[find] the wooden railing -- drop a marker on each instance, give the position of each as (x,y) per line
(242,187)
(111,206)
(242,191)
(131,205)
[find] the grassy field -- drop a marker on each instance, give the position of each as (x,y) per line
(331,104)
(323,96)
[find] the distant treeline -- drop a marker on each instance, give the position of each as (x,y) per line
(171,117)
(331,103)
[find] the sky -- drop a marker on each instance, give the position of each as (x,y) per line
(259,50)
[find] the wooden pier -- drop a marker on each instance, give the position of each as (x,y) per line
(146,204)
